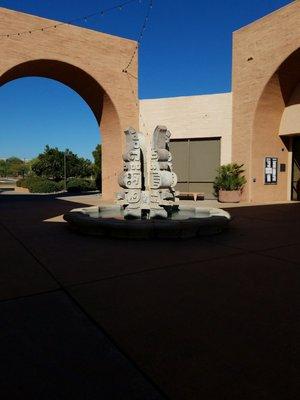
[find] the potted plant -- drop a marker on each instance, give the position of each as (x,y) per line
(229,183)
(298,190)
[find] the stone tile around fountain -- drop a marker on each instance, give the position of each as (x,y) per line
(20,272)
(51,350)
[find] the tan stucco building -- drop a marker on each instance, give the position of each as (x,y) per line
(206,116)
(201,129)
(257,124)
(266,61)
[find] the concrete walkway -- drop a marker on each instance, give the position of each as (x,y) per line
(89,318)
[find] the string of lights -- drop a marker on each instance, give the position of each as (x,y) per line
(102,12)
(84,18)
(141,35)
(128,74)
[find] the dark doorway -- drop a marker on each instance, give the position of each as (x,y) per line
(296,169)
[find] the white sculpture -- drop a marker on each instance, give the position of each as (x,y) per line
(148,193)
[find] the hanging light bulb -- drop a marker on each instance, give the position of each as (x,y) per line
(84,18)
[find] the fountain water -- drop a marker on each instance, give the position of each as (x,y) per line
(149,205)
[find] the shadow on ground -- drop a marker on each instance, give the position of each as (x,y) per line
(212,318)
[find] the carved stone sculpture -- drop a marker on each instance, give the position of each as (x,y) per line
(148,193)
(133,179)
(162,178)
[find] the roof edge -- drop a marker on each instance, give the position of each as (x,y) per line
(269,15)
(49,21)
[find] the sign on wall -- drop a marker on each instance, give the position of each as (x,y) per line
(271,169)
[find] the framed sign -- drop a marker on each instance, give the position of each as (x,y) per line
(271,170)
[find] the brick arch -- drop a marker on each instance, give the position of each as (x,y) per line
(70,75)
(266,139)
(290,121)
(261,52)
(90,63)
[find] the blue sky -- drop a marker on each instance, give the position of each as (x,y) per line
(186,50)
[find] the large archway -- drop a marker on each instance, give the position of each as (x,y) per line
(275,122)
(266,62)
(36,112)
(90,63)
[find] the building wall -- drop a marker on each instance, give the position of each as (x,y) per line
(191,117)
(260,81)
(251,121)
(267,142)
(263,110)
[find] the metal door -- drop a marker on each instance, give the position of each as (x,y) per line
(195,162)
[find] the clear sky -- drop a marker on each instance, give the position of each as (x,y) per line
(186,50)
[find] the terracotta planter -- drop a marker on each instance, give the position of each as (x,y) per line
(230,196)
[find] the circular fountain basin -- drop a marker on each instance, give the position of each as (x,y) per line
(185,222)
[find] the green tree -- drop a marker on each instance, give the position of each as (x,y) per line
(50,165)
(97,154)
(3,168)
(23,169)
(16,167)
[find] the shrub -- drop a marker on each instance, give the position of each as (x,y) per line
(229,178)
(36,184)
(22,183)
(75,185)
(42,185)
(60,186)
(25,182)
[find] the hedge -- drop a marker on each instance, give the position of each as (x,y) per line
(22,183)
(75,185)
(42,185)
(36,184)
